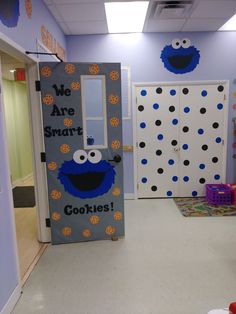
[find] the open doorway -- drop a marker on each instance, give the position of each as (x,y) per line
(17,120)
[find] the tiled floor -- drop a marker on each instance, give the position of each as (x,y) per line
(166,264)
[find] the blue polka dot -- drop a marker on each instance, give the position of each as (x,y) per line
(185,146)
(204,93)
(202,166)
(220,106)
(175,121)
(186,179)
(155,106)
(169,193)
(144,180)
(175,178)
(200,131)
(142,125)
(217,177)
(186,109)
(218,140)
(160,137)
(171,161)
(143,92)
(144,161)
(173,92)
(194,193)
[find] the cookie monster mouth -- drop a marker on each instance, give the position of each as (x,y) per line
(86,181)
(180,61)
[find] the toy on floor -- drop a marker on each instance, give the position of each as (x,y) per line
(232,308)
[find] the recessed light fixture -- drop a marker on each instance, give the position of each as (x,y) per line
(126,17)
(230,25)
(12,71)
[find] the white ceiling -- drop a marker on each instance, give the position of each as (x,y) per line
(77,17)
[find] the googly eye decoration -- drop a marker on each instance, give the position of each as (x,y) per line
(180,56)
(87,175)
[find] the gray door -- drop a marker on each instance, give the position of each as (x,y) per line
(81,105)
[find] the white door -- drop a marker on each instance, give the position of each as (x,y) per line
(180,130)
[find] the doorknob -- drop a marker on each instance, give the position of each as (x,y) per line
(116,158)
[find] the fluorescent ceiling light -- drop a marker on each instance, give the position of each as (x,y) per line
(126,17)
(230,25)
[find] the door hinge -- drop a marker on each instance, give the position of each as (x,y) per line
(48,222)
(223,142)
(37,86)
(224,96)
(137,186)
(43,156)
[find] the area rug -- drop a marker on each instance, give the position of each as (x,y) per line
(23,196)
(198,207)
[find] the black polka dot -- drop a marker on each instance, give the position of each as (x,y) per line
(172,108)
(220,88)
(92,154)
(203,110)
(159,90)
(186,162)
(202,180)
(154,188)
(158,152)
(140,108)
(185,91)
(185,129)
(160,170)
(174,143)
(215,125)
(82,158)
(215,160)
(204,147)
(142,144)
(158,122)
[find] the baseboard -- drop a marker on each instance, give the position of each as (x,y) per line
(23,181)
(9,306)
(129,196)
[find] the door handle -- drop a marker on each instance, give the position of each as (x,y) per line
(177,149)
(117,158)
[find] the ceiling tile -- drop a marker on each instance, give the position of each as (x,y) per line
(92,27)
(195,25)
(171,25)
(82,12)
(214,9)
(55,13)
(64,28)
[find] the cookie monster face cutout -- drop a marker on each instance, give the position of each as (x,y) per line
(180,57)
(87,176)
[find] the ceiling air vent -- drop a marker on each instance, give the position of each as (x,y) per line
(170,9)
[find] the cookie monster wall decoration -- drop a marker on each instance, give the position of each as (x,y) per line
(9,12)
(87,175)
(180,57)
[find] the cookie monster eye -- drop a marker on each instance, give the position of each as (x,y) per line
(176,43)
(94,156)
(80,156)
(186,43)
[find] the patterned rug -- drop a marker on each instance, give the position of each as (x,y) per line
(198,207)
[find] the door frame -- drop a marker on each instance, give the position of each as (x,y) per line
(31,64)
(177,83)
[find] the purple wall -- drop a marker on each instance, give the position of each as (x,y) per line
(142,53)
(29,28)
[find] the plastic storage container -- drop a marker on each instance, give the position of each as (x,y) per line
(218,194)
(233,193)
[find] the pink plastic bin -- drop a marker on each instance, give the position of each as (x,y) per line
(218,194)
(233,193)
